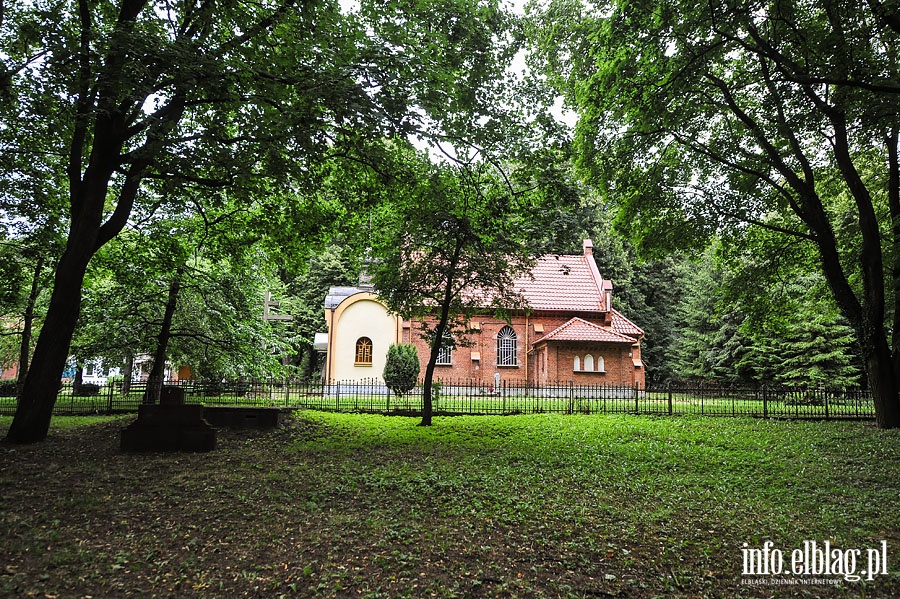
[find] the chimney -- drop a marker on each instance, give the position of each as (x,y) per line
(588,248)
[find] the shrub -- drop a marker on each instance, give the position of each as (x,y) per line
(401,371)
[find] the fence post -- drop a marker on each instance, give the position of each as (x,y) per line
(571,397)
(337,397)
(637,409)
(702,404)
(287,391)
(109,396)
(669,389)
(825,399)
(503,394)
(765,401)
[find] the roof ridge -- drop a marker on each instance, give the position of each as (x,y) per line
(578,320)
(598,279)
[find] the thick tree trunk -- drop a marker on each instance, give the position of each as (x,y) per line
(882,381)
(28,323)
(155,380)
(99,119)
(41,385)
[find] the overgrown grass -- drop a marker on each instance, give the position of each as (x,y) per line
(524,506)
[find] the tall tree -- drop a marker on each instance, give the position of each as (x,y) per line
(452,242)
(698,117)
(218,94)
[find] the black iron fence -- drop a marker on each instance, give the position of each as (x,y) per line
(469,396)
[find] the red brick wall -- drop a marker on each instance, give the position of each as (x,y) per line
(619,366)
(484,343)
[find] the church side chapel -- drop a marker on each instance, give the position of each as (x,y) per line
(570,333)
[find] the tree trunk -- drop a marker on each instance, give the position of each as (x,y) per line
(882,381)
(78,381)
(127,373)
(426,394)
(427,384)
(99,119)
(27,324)
(891,143)
(155,380)
(41,385)
(439,335)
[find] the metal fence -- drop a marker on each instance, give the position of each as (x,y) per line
(474,397)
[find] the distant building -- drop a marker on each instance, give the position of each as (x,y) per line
(571,332)
(9,373)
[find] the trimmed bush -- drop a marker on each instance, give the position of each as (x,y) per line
(401,371)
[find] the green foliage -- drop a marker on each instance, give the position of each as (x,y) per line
(697,120)
(450,240)
(115,381)
(13,279)
(217,327)
(696,316)
(216,111)
(794,338)
(401,371)
(332,266)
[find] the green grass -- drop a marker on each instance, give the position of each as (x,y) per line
(522,506)
(67,422)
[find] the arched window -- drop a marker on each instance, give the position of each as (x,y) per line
(363,350)
(506,347)
(600,366)
(577,366)
(589,363)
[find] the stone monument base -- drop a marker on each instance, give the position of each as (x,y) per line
(169,428)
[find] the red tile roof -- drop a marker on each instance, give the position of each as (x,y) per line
(578,329)
(622,325)
(563,283)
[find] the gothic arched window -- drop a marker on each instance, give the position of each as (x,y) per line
(507,342)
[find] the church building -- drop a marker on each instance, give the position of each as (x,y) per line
(571,332)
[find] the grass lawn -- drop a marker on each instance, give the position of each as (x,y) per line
(350,505)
